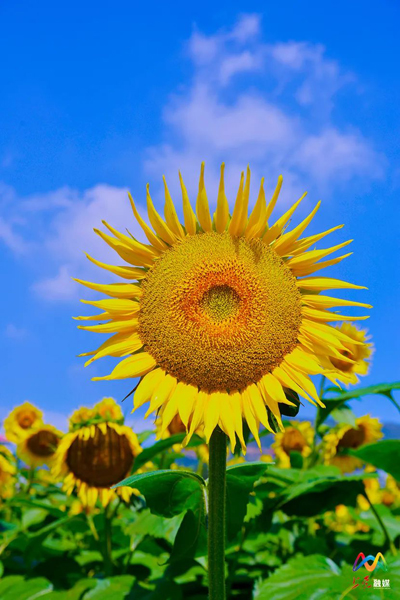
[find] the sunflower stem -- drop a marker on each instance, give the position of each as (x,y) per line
(108,566)
(216,515)
(382,525)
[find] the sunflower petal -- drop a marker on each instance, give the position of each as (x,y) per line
(222,212)
(170,214)
(188,215)
(155,241)
(161,228)
(202,209)
(133,366)
(239,217)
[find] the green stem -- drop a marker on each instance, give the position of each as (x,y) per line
(108,566)
(216,515)
(382,525)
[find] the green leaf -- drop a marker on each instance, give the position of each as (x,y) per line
(16,587)
(191,538)
(240,480)
(116,588)
(149,453)
(344,414)
(382,455)
(332,403)
(286,409)
(44,505)
(168,493)
(33,516)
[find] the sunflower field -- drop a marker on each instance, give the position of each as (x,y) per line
(224,327)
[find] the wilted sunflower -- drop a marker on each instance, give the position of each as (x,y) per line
(39,445)
(345,437)
(20,420)
(358,349)
(7,472)
(95,456)
(219,314)
(298,437)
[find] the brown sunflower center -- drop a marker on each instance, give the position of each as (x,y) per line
(101,460)
(43,443)
(293,441)
(219,312)
(353,438)
(26,420)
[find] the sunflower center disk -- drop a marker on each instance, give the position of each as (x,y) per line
(219,312)
(43,443)
(101,460)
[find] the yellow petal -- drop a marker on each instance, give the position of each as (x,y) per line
(314,255)
(303,381)
(303,244)
(115,305)
(162,393)
(170,214)
(285,242)
(309,269)
(272,202)
(120,344)
(258,218)
(325,316)
(187,400)
(211,414)
(272,405)
(222,212)
(202,209)
(151,236)
(198,414)
(124,272)
(161,228)
(328,302)
(317,284)
(277,228)
(238,222)
(147,251)
(188,214)
(235,402)
(226,419)
(250,418)
(147,387)
(169,412)
(115,290)
(259,409)
(112,326)
(274,389)
(133,366)
(124,251)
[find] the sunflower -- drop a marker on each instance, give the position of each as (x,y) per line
(345,437)
(218,314)
(39,446)
(298,437)
(94,457)
(7,472)
(359,351)
(20,420)
(343,520)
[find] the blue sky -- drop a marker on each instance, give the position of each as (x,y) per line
(98,98)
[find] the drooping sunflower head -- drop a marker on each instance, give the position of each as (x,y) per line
(297,437)
(359,350)
(93,458)
(105,411)
(345,437)
(7,472)
(20,420)
(219,315)
(39,445)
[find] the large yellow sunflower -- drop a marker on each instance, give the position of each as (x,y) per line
(345,437)
(20,420)
(39,445)
(220,313)
(358,349)
(297,437)
(94,457)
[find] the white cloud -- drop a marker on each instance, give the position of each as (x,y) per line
(278,121)
(14,332)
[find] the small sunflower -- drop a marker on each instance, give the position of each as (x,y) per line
(220,314)
(298,437)
(7,472)
(94,457)
(39,446)
(391,492)
(359,351)
(342,520)
(20,420)
(345,437)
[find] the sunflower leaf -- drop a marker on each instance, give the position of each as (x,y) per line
(168,492)
(331,404)
(382,455)
(240,480)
